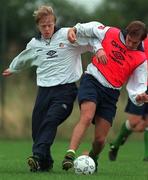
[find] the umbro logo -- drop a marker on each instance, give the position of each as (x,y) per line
(52,54)
(118,55)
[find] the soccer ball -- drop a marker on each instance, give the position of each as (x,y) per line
(84,165)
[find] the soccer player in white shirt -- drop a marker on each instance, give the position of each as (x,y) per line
(59,66)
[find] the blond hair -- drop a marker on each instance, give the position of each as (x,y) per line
(43,11)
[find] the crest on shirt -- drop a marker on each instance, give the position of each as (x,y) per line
(61,45)
(101,27)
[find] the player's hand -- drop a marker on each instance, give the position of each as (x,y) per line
(101,56)
(72,35)
(7,72)
(142,98)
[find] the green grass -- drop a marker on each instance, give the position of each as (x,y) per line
(129,165)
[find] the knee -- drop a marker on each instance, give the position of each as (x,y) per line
(100,140)
(137,126)
(86,120)
(131,124)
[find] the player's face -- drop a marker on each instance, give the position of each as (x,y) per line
(46,26)
(132,42)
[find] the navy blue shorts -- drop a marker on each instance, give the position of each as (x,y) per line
(131,108)
(105,98)
(52,107)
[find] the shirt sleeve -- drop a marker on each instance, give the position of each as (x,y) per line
(87,44)
(24,60)
(92,30)
(137,83)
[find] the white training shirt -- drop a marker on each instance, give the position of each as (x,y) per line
(137,82)
(57,60)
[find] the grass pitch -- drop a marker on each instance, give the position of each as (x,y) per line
(129,165)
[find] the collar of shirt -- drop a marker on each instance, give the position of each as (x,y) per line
(47,41)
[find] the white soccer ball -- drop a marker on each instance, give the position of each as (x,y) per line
(84,165)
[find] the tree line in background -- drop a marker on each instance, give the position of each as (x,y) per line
(17,27)
(17,22)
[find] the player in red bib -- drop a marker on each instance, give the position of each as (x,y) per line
(137,121)
(119,60)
